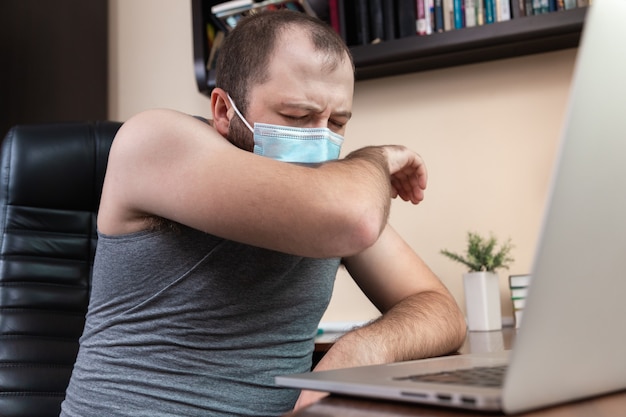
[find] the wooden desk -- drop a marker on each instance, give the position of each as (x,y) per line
(334,406)
(605,406)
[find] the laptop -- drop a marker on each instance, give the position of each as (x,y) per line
(572,342)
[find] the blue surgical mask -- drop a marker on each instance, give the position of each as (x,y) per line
(293,144)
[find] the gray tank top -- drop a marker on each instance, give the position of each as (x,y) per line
(182,323)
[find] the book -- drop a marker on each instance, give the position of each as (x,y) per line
(216,44)
(357,22)
(438,26)
(480,12)
(389,19)
(341,16)
(504,10)
(519,281)
(490,11)
(518,9)
(518,285)
(448,15)
(316,8)
(421,17)
(459,13)
(362,26)
(552,7)
(376,21)
(538,7)
(470,13)
(333,15)
(429,11)
(519,293)
(406,17)
(227,14)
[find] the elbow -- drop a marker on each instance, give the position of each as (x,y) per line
(362,228)
(458,330)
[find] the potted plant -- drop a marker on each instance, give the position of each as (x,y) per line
(483,257)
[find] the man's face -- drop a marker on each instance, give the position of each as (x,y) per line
(300,91)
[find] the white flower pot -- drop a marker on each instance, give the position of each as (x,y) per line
(482,301)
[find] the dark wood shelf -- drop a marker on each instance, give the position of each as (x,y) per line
(523,36)
(516,37)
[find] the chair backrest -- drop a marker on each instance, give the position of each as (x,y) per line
(50,184)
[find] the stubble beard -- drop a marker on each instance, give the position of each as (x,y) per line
(240,136)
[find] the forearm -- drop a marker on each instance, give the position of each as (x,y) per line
(423,325)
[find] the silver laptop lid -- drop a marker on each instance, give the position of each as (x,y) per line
(572,334)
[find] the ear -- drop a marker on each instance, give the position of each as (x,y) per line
(222,111)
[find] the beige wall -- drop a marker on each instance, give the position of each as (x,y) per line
(488,133)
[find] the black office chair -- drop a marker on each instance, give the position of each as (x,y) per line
(50,186)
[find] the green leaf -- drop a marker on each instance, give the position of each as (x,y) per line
(482,253)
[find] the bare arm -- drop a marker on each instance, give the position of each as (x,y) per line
(420,317)
(170,165)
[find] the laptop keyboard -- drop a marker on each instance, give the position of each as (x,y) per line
(482,376)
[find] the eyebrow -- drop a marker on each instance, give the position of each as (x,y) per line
(346,114)
(306,106)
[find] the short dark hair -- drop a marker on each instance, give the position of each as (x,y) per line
(244,57)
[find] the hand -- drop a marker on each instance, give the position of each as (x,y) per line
(307,398)
(408,173)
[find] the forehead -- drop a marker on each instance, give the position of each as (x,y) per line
(297,69)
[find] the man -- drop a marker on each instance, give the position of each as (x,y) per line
(216,262)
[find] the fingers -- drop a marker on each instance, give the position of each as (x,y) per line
(408,187)
(409,175)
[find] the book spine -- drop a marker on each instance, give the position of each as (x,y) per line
(406,17)
(341,13)
(448,15)
(389,16)
(421,17)
(362,23)
(459,18)
(439,26)
(504,10)
(333,14)
(552,6)
(429,11)
(470,13)
(376,28)
(480,12)
(490,11)
(518,285)
(517,9)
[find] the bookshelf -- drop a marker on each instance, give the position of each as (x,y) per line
(516,37)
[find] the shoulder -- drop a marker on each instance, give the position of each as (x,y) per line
(159,138)
(154,156)
(157,127)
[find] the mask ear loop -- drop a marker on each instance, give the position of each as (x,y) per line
(232,103)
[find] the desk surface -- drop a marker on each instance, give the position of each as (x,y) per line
(605,406)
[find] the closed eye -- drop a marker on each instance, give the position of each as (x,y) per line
(337,124)
(291,118)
